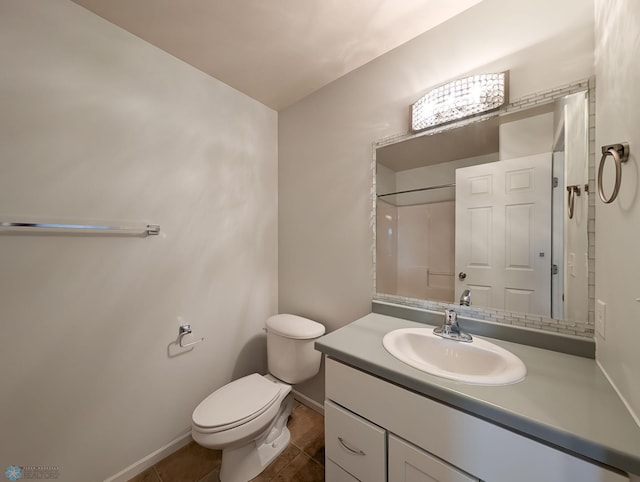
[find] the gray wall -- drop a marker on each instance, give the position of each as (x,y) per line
(618,224)
(96,124)
(325,140)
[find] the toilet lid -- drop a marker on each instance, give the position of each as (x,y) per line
(236,403)
(293,326)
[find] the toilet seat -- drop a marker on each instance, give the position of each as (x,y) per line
(236,403)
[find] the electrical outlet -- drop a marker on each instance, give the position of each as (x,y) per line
(601,318)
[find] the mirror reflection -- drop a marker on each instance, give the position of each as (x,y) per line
(479,214)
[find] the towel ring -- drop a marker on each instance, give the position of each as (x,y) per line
(620,154)
(572,192)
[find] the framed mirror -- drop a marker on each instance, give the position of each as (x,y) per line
(493,213)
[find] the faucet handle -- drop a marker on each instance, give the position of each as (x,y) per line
(451,316)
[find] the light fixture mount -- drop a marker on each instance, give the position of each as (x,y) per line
(460,98)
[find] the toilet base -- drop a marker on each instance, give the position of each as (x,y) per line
(243,463)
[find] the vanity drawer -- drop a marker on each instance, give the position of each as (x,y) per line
(334,473)
(355,444)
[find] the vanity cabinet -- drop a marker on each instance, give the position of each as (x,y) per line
(407,436)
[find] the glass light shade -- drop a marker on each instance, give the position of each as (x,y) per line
(458,99)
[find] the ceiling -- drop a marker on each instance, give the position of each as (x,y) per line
(277,51)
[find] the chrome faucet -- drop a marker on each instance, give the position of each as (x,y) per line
(465,298)
(450,329)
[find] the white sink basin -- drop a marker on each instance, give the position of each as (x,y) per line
(479,362)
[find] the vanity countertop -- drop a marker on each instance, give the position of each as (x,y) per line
(565,400)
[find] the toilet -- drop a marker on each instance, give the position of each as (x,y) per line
(247,418)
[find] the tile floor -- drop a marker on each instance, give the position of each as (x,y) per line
(302,460)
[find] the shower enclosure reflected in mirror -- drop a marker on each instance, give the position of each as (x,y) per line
(484,207)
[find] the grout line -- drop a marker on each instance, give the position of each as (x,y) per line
(281,470)
(319,463)
(207,475)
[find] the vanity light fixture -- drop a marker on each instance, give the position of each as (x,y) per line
(458,99)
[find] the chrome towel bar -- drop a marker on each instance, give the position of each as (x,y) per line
(620,154)
(453,184)
(148,230)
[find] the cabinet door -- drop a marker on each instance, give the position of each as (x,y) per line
(355,444)
(408,463)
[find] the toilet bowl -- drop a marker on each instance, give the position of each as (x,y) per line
(247,418)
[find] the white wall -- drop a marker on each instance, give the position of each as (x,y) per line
(387,247)
(385,180)
(576,243)
(426,249)
(325,140)
(526,137)
(618,224)
(96,124)
(434,175)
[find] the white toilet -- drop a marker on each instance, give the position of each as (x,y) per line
(247,418)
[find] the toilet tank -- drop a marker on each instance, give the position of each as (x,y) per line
(290,353)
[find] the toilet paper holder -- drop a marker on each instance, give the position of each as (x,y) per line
(183,331)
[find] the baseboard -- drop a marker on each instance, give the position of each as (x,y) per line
(309,402)
(179,442)
(151,459)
